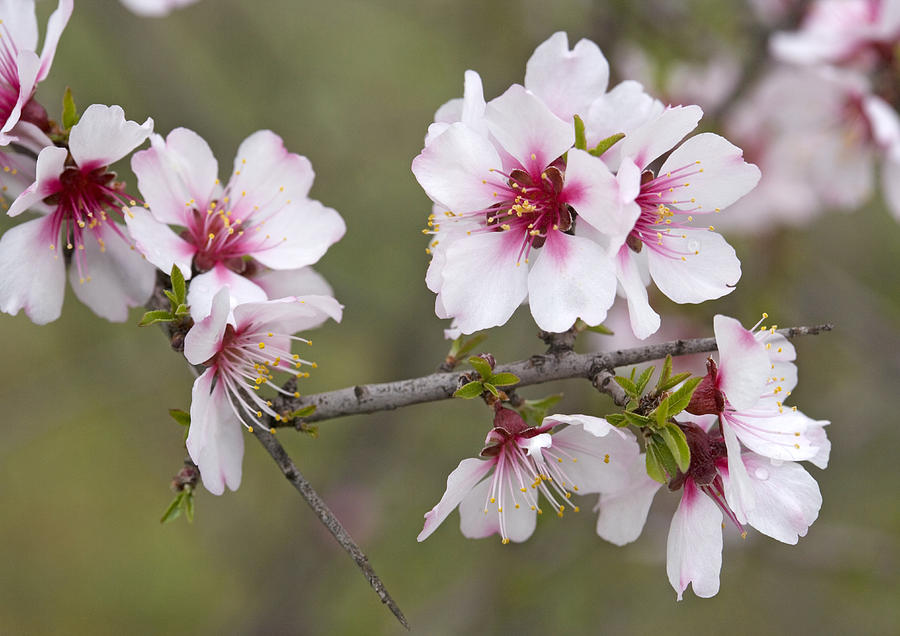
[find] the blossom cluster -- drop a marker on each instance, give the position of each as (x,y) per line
(246,246)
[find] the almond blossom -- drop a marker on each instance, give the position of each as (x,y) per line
(21,68)
(79,199)
(241,350)
(499,494)
(702,176)
(261,218)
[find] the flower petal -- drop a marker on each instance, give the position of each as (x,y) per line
(623,512)
(267,176)
(287,315)
(278,283)
(303,231)
(207,285)
(215,439)
(622,110)
(459,484)
(50,164)
(159,243)
(738,489)
(709,268)
(34,276)
(204,339)
(55,25)
(694,546)
(644,321)
(591,462)
(658,135)
(743,363)
(476,522)
(572,278)
(787,436)
(103,136)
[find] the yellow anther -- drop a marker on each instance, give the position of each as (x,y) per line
(262,345)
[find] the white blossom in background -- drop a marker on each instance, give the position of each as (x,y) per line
(261,218)
(242,348)
(155,8)
(500,493)
(79,200)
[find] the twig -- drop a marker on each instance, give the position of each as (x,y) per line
(605,383)
(370,398)
(298,481)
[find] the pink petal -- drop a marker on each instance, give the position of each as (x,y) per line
(624,109)
(120,278)
(725,176)
(527,130)
(567,81)
(738,488)
(20,22)
(644,321)
(459,484)
(694,546)
(27,67)
(55,25)
(786,436)
(292,282)
(623,512)
(103,136)
(304,230)
(50,164)
(205,286)
(34,276)
(710,268)
(204,340)
(572,278)
(658,135)
(215,440)
(158,243)
(287,315)
(743,363)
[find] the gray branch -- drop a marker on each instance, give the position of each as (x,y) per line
(370,398)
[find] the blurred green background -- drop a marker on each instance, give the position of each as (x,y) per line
(89,450)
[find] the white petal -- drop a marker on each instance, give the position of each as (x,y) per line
(602,463)
(890,183)
(302,232)
(206,285)
(738,488)
(20,23)
(710,268)
(533,445)
(292,282)
(622,110)
(55,25)
(116,277)
(103,136)
(204,339)
(658,135)
(50,164)
(527,129)
(159,243)
(596,426)
(743,363)
(644,321)
(694,546)
(475,523)
(623,513)
(715,169)
(215,439)
(572,278)
(567,81)
(34,276)
(459,484)
(287,315)
(787,436)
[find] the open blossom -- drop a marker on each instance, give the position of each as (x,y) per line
(242,349)
(261,217)
(842,31)
(79,199)
(702,176)
(22,68)
(500,493)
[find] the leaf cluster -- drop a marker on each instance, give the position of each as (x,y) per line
(177,296)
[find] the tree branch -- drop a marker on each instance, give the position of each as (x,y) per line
(298,481)
(370,398)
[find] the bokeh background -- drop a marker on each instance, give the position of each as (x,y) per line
(88,449)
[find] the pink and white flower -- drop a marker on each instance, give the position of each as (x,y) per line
(499,494)
(21,68)
(704,175)
(262,216)
(242,348)
(79,199)
(506,196)
(790,496)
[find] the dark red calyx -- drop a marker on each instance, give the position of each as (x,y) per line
(707,398)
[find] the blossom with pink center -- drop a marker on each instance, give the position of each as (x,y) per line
(511,201)
(262,216)
(79,199)
(21,68)
(790,502)
(842,31)
(242,349)
(499,494)
(702,176)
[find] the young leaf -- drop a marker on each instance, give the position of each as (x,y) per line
(490,387)
(504,379)
(663,456)
(636,420)
(182,417)
(304,412)
(580,140)
(644,378)
(178,286)
(70,112)
(654,469)
(172,297)
(606,144)
(679,400)
(545,403)
(465,346)
(173,511)
(673,381)
(188,504)
(662,412)
(481,366)
(153,317)
(628,385)
(677,443)
(606,331)
(470,390)
(616,419)
(665,375)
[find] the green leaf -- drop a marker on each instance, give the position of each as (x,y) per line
(469,391)
(665,374)
(662,412)
(580,140)
(679,400)
(178,286)
(678,446)
(673,381)
(636,420)
(153,317)
(463,347)
(545,403)
(644,378)
(70,112)
(606,144)
(504,379)
(182,417)
(627,384)
(306,411)
(481,366)
(309,429)
(535,411)
(616,419)
(664,456)
(182,310)
(188,504)
(606,331)
(654,469)
(490,387)
(172,297)
(173,511)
